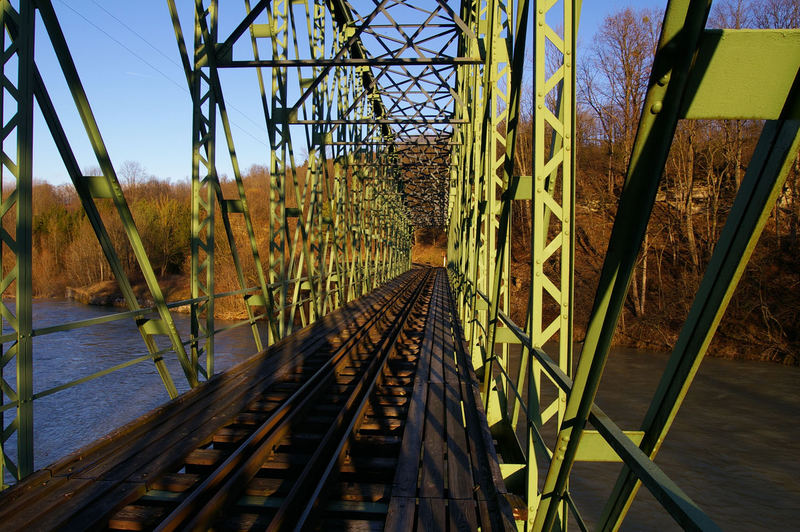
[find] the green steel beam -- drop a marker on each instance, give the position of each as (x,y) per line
(19,28)
(683,24)
(23,239)
(354,62)
(334,255)
(204,124)
(686,512)
(165,323)
(741,60)
(683,85)
(208,99)
(237,205)
(762,185)
(377,132)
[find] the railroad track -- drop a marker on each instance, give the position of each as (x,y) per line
(369,419)
(317,449)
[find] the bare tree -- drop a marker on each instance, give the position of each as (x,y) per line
(615,75)
(732,14)
(777,14)
(613,83)
(780,14)
(132,174)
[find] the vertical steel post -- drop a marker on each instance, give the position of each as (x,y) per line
(683,24)
(23,238)
(204,134)
(4,349)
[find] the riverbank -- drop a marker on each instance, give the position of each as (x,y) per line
(108,293)
(174,288)
(741,334)
(762,321)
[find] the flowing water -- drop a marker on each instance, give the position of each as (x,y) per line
(69,419)
(733,447)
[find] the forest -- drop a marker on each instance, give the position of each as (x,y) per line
(706,164)
(68,256)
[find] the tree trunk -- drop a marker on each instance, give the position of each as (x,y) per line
(635,293)
(689,206)
(610,174)
(643,296)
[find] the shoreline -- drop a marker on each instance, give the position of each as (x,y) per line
(633,337)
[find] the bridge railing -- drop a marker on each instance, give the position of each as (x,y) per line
(697,74)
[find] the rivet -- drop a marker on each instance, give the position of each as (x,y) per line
(656,108)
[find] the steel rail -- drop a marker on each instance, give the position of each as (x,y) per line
(220,486)
(298,494)
(281,426)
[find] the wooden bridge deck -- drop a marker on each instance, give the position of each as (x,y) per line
(369,419)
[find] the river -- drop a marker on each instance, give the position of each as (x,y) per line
(733,447)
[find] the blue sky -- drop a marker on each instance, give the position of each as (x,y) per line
(128,61)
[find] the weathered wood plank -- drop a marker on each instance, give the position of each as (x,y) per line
(362,491)
(137,517)
(432,515)
(400,517)
(462,516)
(460,477)
(405,481)
(77,501)
(432,480)
(495,510)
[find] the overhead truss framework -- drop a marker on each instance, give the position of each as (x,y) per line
(367,91)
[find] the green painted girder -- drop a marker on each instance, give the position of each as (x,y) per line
(670,85)
(148,326)
(371,62)
(19,29)
(685,85)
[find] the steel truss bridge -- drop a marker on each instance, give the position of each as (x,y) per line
(409,112)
